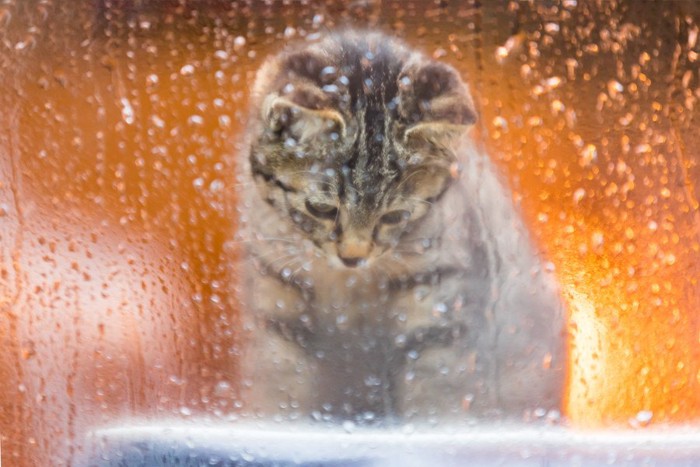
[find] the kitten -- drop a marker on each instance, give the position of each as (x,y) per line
(387,275)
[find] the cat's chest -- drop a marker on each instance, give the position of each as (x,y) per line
(343,286)
(347,298)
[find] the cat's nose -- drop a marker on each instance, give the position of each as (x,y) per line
(352,251)
(350,262)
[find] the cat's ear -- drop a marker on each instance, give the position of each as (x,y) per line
(290,120)
(428,182)
(434,101)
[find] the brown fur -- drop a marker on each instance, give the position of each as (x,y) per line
(383,282)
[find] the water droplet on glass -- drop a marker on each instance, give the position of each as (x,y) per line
(597,239)
(157,121)
(349,426)
(127,111)
(588,154)
(317,20)
(5,17)
(614,88)
(552,83)
(28,43)
(467,401)
(373,381)
(408,429)
(500,122)
(511,45)
(440,308)
(238,43)
(553,416)
(216,186)
(557,106)
(551,27)
(643,418)
(247,456)
(195,120)
(693,37)
(187,70)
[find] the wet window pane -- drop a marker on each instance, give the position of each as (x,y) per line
(227,222)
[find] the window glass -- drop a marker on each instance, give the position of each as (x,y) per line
(124,268)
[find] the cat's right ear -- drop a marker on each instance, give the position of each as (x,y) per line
(434,102)
(286,119)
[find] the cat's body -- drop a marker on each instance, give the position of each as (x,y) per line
(387,275)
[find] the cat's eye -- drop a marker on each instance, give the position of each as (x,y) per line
(395,217)
(321,210)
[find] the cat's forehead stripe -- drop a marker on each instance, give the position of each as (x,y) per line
(374,77)
(368,88)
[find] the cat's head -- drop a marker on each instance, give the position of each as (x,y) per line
(354,140)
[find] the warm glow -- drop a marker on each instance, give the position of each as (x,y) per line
(619,221)
(588,374)
(118,120)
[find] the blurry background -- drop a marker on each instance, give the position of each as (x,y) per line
(118,123)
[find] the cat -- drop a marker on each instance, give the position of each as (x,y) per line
(387,276)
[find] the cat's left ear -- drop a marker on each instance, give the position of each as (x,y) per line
(283,116)
(434,101)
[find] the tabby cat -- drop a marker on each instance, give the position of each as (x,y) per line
(387,275)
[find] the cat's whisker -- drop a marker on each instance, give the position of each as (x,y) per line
(432,241)
(290,263)
(284,252)
(264,239)
(375,273)
(383,269)
(402,253)
(314,175)
(387,268)
(410,249)
(401,266)
(413,198)
(271,264)
(403,182)
(286,261)
(272,247)
(244,183)
(296,271)
(241,186)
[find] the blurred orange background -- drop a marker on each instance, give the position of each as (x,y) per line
(118,125)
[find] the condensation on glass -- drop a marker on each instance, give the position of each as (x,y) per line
(118,120)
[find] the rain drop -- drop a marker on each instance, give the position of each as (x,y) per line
(187,70)
(238,43)
(127,111)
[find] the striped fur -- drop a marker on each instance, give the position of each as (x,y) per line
(335,120)
(380,246)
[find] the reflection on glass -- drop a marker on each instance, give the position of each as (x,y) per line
(121,122)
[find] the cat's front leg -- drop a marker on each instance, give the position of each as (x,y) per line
(276,371)
(445,348)
(477,347)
